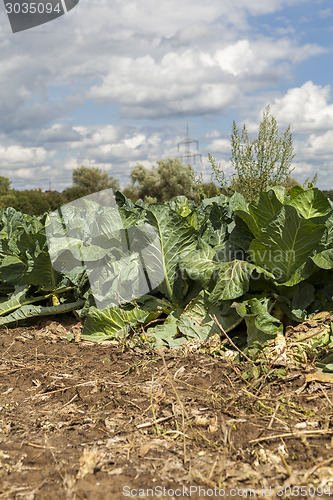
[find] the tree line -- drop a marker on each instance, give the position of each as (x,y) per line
(258,163)
(168,179)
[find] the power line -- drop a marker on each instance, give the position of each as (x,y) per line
(188,154)
(32,181)
(49,180)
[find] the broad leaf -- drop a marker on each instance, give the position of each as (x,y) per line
(311,203)
(241,235)
(196,321)
(41,273)
(304,295)
(324,259)
(233,280)
(261,325)
(111,323)
(264,208)
(177,237)
(199,265)
(26,312)
(240,207)
(165,335)
(17,299)
(285,244)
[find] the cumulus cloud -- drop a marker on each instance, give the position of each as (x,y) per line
(178,83)
(309,111)
(59,133)
(23,163)
(17,156)
(159,56)
(153,62)
(219,145)
(115,149)
(306,108)
(320,144)
(194,81)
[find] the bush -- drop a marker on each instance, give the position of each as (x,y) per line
(259,163)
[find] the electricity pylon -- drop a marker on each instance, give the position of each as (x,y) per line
(188,154)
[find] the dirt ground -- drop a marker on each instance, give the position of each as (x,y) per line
(90,421)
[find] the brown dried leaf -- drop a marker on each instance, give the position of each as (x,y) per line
(319,376)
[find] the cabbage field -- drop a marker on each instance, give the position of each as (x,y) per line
(223,266)
(168,349)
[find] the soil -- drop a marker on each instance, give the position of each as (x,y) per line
(100,421)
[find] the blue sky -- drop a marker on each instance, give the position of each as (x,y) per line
(114,83)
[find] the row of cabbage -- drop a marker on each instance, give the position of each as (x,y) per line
(241,263)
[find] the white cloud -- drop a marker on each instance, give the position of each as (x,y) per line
(116,149)
(321,144)
(23,164)
(237,58)
(194,81)
(16,156)
(309,111)
(306,108)
(302,170)
(219,146)
(153,61)
(257,56)
(59,133)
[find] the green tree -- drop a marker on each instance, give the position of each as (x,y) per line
(329,194)
(73,193)
(7,200)
(4,185)
(87,181)
(32,202)
(54,200)
(93,179)
(210,190)
(291,182)
(162,183)
(145,183)
(259,163)
(131,192)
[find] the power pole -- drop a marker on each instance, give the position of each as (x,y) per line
(188,154)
